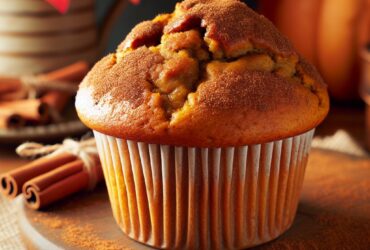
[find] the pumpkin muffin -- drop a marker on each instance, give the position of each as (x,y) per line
(203,120)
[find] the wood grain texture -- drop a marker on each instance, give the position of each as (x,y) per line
(334,212)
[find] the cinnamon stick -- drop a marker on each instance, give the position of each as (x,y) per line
(74,74)
(61,173)
(9,119)
(14,95)
(57,184)
(12,182)
(9,84)
(31,110)
(15,113)
(56,100)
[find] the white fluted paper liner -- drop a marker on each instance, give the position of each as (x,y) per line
(204,198)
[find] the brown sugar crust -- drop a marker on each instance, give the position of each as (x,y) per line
(231,24)
(194,78)
(141,32)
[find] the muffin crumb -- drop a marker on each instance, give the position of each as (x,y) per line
(192,54)
(191,75)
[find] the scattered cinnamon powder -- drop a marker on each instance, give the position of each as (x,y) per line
(76,233)
(85,237)
(68,221)
(52,223)
(333,212)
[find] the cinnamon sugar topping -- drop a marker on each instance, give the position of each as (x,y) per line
(202,38)
(184,78)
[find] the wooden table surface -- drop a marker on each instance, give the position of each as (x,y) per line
(333,213)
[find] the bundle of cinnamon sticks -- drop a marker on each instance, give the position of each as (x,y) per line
(51,93)
(62,172)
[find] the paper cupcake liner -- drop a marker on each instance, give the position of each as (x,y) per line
(204,198)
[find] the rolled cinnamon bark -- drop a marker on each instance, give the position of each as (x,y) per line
(74,74)
(13,181)
(37,111)
(56,101)
(10,120)
(33,111)
(14,95)
(57,184)
(9,84)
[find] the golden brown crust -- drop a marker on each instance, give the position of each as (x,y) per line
(231,23)
(228,87)
(145,33)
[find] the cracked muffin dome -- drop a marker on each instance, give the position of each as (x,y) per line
(211,74)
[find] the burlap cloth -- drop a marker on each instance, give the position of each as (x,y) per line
(9,233)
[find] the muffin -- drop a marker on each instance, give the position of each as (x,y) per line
(203,120)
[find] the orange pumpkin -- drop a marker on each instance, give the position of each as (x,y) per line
(329,33)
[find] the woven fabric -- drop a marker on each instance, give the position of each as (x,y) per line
(340,141)
(9,232)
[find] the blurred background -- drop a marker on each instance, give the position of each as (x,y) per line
(147,9)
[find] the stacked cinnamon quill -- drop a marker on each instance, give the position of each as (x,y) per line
(38,100)
(66,169)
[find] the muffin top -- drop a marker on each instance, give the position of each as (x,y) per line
(211,74)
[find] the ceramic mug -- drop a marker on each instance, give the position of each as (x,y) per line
(36,38)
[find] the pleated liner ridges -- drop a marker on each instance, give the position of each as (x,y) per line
(204,198)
